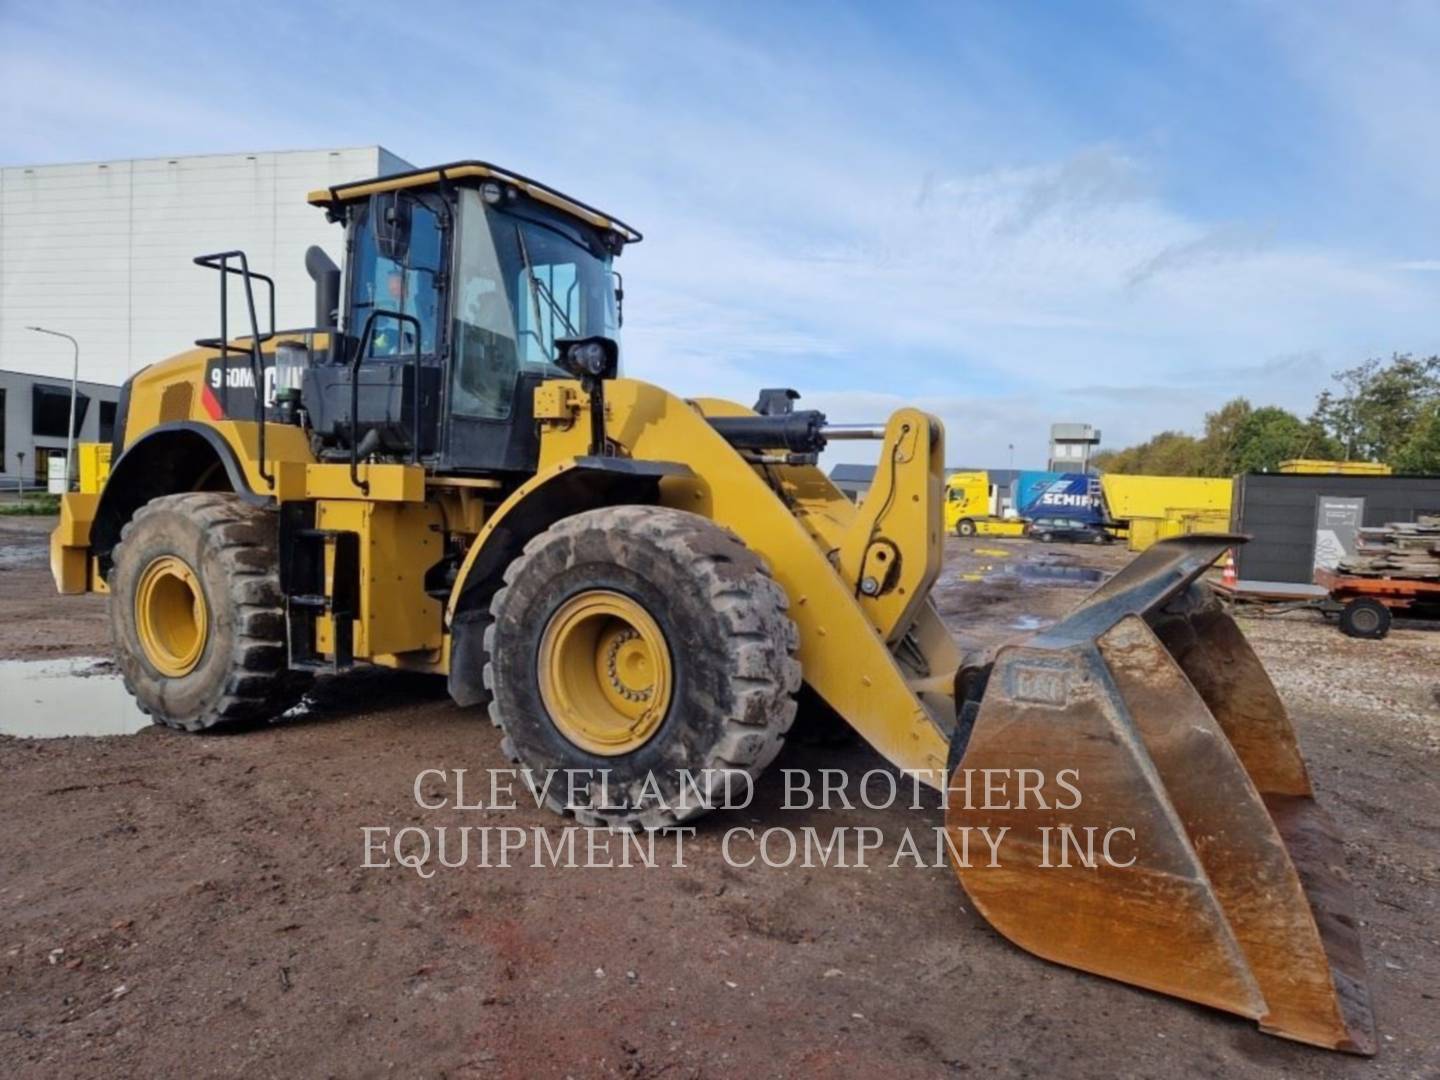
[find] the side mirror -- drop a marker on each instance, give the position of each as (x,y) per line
(390,219)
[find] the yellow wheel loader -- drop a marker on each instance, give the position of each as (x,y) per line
(447,474)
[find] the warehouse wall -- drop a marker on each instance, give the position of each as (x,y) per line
(1279,510)
(103,250)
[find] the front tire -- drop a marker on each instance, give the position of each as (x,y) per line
(196,615)
(965,527)
(647,646)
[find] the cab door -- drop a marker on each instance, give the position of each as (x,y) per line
(398,269)
(525,278)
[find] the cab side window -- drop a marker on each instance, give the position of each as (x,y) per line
(486,363)
(406,281)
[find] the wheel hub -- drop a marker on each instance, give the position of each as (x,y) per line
(628,666)
(604,672)
(171,619)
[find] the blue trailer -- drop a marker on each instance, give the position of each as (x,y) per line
(1076,496)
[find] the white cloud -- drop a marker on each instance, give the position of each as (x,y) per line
(1011,284)
(826,212)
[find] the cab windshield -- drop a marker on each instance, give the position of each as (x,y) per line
(525,277)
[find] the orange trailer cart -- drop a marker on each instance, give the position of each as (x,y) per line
(1367,604)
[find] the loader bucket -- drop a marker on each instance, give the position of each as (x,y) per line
(1160,828)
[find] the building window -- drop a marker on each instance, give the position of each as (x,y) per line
(2,430)
(51,409)
(107,421)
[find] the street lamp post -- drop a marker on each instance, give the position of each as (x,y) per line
(74,391)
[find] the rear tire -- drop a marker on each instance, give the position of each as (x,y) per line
(1365,618)
(705,629)
(196,615)
(1046,537)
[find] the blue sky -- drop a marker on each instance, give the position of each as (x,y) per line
(1010,213)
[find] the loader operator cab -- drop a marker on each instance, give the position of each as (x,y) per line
(457,287)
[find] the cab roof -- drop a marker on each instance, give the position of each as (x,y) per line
(461,171)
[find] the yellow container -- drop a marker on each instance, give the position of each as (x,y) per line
(94,466)
(1156,507)
(1129,497)
(1179,522)
(1331,468)
(1143,532)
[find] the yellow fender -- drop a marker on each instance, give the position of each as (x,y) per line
(843,655)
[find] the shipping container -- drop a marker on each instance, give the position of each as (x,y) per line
(1155,507)
(1299,522)
(1341,468)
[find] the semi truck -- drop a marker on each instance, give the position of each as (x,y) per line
(972,506)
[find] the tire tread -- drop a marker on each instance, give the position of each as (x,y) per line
(259,684)
(761,640)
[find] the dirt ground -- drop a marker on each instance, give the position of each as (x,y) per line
(181,906)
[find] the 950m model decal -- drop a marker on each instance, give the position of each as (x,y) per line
(229,391)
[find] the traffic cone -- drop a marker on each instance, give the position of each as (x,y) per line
(1228,579)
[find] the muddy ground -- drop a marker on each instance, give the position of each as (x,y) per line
(180,906)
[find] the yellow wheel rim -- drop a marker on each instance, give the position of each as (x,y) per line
(170,616)
(604,672)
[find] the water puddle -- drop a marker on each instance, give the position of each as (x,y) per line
(1056,574)
(84,695)
(1030,622)
(48,699)
(14,556)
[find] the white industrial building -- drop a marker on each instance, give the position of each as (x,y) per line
(102,251)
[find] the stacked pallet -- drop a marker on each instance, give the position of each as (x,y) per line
(1401,549)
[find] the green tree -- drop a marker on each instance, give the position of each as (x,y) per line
(1421,451)
(1269,435)
(1218,446)
(1170,453)
(1379,405)
(1238,438)
(1108,461)
(1173,454)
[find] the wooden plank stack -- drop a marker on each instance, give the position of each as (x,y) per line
(1401,549)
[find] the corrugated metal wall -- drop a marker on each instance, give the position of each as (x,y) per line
(103,250)
(1279,512)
